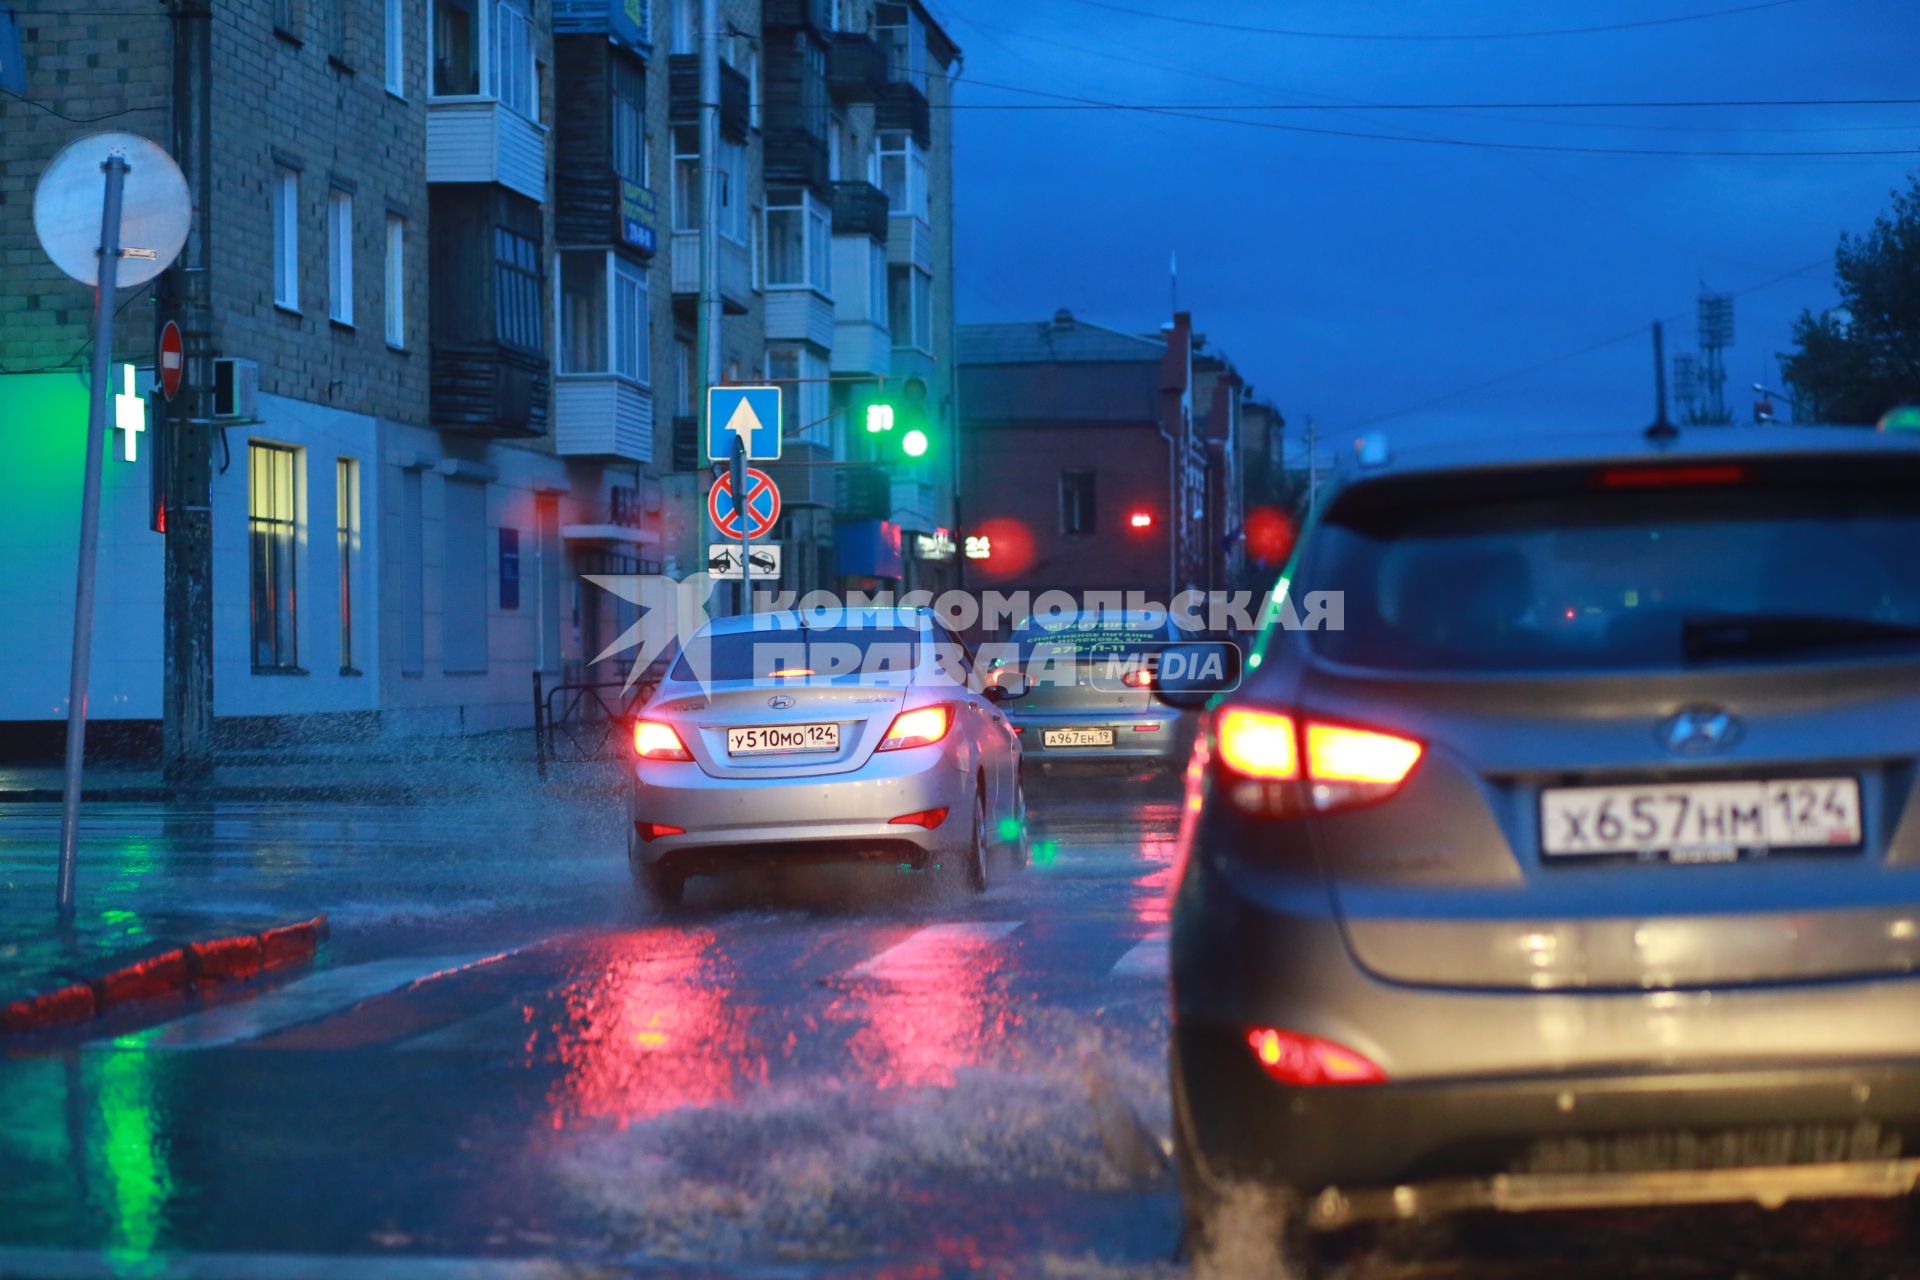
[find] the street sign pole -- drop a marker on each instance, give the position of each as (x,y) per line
(737,477)
(103,306)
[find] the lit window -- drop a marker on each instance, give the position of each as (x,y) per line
(286,238)
(340,256)
(272,532)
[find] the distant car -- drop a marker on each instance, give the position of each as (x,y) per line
(1582,866)
(1080,690)
(784,738)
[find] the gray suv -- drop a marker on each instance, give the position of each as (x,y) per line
(1581,865)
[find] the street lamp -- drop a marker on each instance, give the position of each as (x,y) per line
(1761,389)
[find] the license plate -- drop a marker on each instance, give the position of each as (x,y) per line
(1701,819)
(771,739)
(1076,738)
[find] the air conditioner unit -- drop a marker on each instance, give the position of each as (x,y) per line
(236,388)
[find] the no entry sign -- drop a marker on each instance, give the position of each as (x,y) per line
(760,509)
(173,359)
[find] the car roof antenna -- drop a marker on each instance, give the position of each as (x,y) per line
(1662,430)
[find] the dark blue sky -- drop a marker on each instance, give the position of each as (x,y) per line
(1353,279)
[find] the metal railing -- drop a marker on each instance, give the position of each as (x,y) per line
(576,720)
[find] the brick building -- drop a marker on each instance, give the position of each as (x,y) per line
(455,239)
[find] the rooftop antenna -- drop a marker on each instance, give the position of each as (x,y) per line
(1661,428)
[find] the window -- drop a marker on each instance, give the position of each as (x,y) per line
(339,32)
(1076,502)
(456,47)
(603,316)
(799,240)
(396,46)
(903,175)
(903,36)
(340,256)
(805,388)
(286,18)
(509,568)
(629,123)
(877,283)
(733,191)
(513,79)
(517,292)
(910,307)
(682,379)
(396,281)
(750,67)
(686,178)
(286,238)
(346,520)
(272,531)
(686,36)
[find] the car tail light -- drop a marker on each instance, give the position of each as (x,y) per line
(651,831)
(655,741)
(1672,477)
(928,818)
(920,727)
(1278,764)
(1140,679)
(1310,1062)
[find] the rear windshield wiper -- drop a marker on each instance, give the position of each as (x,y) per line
(1761,634)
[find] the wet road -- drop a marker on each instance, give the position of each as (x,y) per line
(504,1068)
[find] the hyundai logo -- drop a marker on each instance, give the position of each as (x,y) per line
(780,702)
(1699,731)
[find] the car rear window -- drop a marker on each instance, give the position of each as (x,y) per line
(1089,638)
(1596,579)
(814,653)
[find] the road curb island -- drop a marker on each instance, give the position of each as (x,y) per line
(212,960)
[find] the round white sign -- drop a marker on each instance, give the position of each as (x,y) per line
(155,208)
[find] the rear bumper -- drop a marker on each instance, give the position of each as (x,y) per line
(833,817)
(1540,1134)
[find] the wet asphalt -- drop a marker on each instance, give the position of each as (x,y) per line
(505,1066)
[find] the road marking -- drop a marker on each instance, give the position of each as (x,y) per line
(1146,959)
(932,948)
(27,1263)
(306,1000)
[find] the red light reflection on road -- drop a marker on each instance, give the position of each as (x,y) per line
(1152,894)
(930,1006)
(647,1026)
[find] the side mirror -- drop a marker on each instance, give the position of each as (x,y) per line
(994,693)
(1188,676)
(1011,684)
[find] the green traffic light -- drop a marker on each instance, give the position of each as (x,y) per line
(879,418)
(914,443)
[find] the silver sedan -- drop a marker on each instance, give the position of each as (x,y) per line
(784,738)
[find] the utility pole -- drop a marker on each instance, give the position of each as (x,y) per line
(187,668)
(707,316)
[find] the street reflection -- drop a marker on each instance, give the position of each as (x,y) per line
(648,1025)
(930,1006)
(1151,895)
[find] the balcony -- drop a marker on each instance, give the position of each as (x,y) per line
(480,140)
(799,315)
(860,209)
(903,108)
(736,271)
(602,415)
(626,23)
(856,68)
(683,100)
(811,14)
(795,157)
(802,485)
(910,243)
(488,389)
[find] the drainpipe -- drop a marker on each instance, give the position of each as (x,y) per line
(1173,511)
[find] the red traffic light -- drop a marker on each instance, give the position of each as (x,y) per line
(1141,520)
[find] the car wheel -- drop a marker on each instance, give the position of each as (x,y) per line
(1239,1230)
(976,858)
(653,882)
(1021,846)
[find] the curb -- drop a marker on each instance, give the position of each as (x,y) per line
(213,960)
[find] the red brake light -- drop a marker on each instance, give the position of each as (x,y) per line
(1336,753)
(1672,477)
(1266,756)
(920,727)
(1140,679)
(653,740)
(928,818)
(1308,1061)
(1258,744)
(651,831)
(1141,520)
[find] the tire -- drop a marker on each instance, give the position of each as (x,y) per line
(653,883)
(1021,847)
(975,865)
(1245,1231)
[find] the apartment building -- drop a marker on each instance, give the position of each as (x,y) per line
(455,250)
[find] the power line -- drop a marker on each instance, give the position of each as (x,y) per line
(1637,331)
(1180,113)
(1301,34)
(1343,105)
(55,111)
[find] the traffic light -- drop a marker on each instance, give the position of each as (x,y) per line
(879,417)
(914,443)
(905,408)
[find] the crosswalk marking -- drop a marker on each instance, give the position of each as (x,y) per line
(1146,959)
(303,1001)
(931,948)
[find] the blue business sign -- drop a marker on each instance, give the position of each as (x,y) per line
(748,414)
(636,217)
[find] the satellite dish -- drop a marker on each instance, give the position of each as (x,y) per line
(155,208)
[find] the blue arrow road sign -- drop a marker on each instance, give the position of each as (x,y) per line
(752,414)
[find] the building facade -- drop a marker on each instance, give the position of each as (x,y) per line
(454,285)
